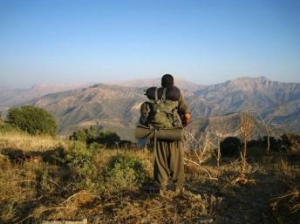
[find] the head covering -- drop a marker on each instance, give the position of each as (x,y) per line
(167,80)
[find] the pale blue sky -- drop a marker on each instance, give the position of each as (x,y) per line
(203,41)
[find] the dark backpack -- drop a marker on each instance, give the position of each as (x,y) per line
(161,111)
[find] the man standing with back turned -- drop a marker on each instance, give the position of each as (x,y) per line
(168,157)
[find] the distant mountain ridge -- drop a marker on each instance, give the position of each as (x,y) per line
(145,83)
(115,106)
(13,97)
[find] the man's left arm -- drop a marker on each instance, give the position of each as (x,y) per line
(185,110)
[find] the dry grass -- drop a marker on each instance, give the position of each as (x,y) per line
(38,188)
(26,142)
(292,198)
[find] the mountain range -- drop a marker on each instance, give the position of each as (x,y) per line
(115,105)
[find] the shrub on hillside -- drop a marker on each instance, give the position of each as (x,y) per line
(123,173)
(230,146)
(4,127)
(291,142)
(108,138)
(80,160)
(87,135)
(32,119)
(91,136)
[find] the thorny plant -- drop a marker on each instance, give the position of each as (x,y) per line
(201,150)
(200,147)
(247,125)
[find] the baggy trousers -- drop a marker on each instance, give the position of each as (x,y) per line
(169,164)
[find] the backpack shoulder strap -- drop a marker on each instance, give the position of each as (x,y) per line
(163,96)
(156,94)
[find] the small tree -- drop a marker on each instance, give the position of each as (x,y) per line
(33,120)
(247,130)
(247,125)
(268,128)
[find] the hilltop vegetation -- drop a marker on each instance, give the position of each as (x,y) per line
(45,178)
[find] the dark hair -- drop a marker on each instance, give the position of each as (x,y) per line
(167,80)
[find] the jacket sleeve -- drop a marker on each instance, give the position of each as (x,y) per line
(182,106)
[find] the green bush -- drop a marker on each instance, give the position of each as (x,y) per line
(87,135)
(80,160)
(4,128)
(108,138)
(32,119)
(91,136)
(123,173)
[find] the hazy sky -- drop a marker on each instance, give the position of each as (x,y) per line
(203,41)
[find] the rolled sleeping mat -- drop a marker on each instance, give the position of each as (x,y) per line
(168,134)
(172,93)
